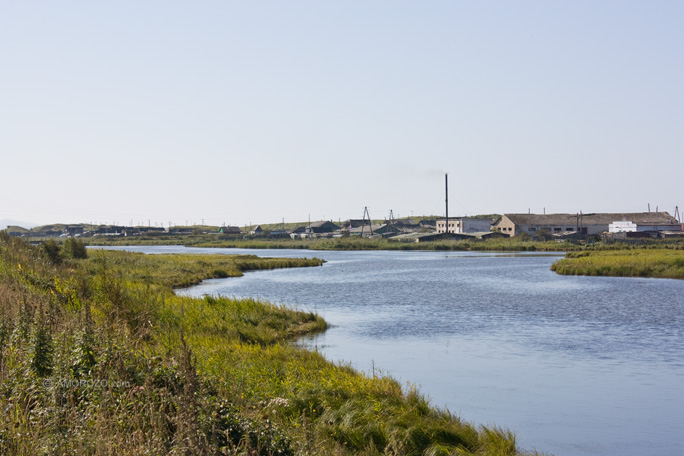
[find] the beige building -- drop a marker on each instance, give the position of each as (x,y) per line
(591,224)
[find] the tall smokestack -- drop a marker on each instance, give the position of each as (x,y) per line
(446,201)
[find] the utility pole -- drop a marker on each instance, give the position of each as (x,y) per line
(363,222)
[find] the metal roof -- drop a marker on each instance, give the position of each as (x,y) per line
(592,219)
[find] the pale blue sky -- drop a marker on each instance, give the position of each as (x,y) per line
(255,111)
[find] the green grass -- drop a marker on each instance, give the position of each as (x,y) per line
(99,356)
(658,263)
(182,270)
(357,243)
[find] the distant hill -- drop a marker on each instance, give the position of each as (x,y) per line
(6,222)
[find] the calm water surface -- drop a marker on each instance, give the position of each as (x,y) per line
(574,365)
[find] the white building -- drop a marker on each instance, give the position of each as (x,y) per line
(463,225)
(622,227)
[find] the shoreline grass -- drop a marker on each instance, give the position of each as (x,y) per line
(656,263)
(514,244)
(348,243)
(98,355)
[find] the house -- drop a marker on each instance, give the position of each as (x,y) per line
(297,231)
(589,224)
(111,230)
(178,230)
(256,231)
(316,229)
(405,225)
(463,225)
(322,227)
(152,230)
(230,230)
(355,223)
(74,230)
(278,234)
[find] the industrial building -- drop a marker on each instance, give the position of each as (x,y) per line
(588,224)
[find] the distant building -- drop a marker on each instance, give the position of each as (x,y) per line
(179,230)
(111,230)
(278,234)
(405,225)
(256,231)
(464,225)
(74,230)
(321,227)
(355,223)
(368,230)
(622,227)
(428,224)
(230,230)
(589,224)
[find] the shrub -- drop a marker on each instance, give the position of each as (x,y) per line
(52,251)
(74,248)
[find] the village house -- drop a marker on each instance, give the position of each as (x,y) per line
(404,225)
(74,230)
(322,227)
(588,224)
(355,223)
(315,229)
(230,230)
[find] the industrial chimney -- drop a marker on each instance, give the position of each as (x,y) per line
(446,201)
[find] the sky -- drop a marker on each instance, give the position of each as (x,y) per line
(243,112)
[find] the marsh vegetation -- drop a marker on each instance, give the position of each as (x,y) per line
(98,355)
(658,263)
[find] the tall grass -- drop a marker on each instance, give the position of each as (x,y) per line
(659,263)
(99,356)
(357,243)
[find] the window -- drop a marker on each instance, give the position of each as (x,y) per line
(532,229)
(557,229)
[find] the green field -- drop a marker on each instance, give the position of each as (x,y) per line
(99,356)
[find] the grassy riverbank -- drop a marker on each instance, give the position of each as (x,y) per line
(505,244)
(99,356)
(659,263)
(348,243)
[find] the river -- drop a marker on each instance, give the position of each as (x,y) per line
(575,366)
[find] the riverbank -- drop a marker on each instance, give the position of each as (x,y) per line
(100,356)
(348,243)
(657,263)
(504,244)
